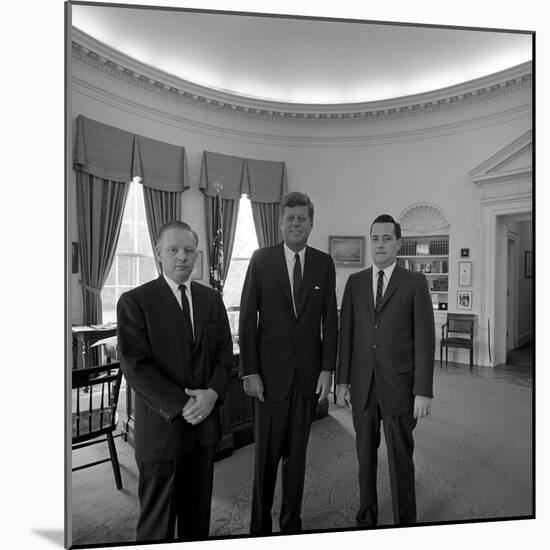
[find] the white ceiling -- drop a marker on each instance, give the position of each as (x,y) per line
(302,60)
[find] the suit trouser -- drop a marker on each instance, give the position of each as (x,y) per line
(176,493)
(400,445)
(281,430)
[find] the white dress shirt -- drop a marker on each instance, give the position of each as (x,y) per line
(174,287)
(387,275)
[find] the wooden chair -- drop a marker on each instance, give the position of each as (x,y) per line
(457,332)
(95,400)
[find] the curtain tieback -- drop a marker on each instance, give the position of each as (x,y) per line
(92,289)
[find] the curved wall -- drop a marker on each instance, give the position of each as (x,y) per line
(418,149)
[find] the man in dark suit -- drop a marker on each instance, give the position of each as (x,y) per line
(175,349)
(288,341)
(385,368)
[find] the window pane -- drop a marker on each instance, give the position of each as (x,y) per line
(147,270)
(245,237)
(143,240)
(109,299)
(133,238)
(111,279)
(126,238)
(234,282)
(129,209)
(127,270)
(140,204)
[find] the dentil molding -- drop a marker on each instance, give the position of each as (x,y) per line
(93,53)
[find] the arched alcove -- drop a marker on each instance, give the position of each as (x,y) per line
(423,219)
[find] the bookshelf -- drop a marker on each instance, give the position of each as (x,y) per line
(429,255)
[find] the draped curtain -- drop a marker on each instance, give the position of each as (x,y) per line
(100,206)
(231,177)
(163,173)
(230,211)
(106,159)
(222,175)
(160,207)
(267,186)
(266,222)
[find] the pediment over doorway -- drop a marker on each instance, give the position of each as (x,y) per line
(509,171)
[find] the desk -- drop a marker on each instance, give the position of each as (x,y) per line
(237,412)
(83,339)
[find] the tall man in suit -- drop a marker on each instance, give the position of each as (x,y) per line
(288,341)
(176,352)
(385,368)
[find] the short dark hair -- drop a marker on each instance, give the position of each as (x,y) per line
(295,198)
(386,218)
(176,224)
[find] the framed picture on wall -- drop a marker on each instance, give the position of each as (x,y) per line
(347,251)
(465,273)
(196,274)
(464,299)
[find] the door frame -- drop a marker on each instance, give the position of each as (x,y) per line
(492,330)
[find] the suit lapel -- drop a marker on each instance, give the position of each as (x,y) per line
(368,284)
(282,274)
(307,280)
(168,300)
(392,287)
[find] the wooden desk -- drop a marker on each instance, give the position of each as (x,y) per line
(237,415)
(83,339)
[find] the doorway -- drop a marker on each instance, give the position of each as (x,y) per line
(513,291)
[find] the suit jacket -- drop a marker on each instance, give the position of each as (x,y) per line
(396,346)
(275,342)
(159,360)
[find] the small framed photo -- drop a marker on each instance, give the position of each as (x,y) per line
(347,251)
(464,299)
(528,264)
(465,273)
(196,274)
(464,252)
(422,249)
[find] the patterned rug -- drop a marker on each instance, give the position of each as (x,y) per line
(473,459)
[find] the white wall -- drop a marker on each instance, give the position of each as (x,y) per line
(352,171)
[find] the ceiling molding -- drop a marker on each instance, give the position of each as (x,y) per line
(99,56)
(179,119)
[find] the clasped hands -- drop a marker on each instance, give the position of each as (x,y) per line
(253,385)
(199,406)
(422,405)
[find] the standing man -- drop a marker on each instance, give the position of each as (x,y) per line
(175,349)
(288,341)
(385,369)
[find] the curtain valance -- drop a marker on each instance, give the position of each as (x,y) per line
(266,180)
(114,154)
(261,180)
(226,170)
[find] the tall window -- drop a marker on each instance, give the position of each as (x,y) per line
(134,262)
(245,244)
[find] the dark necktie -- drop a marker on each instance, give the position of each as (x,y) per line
(185,308)
(379,290)
(297,281)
